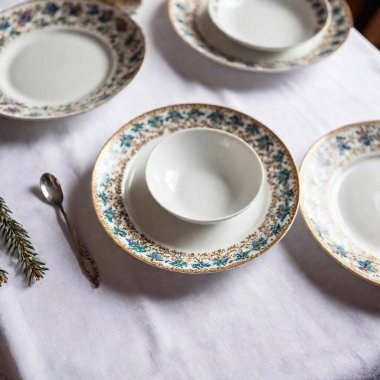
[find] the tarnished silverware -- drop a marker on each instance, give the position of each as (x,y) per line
(52,191)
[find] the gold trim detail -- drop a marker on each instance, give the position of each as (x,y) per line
(126,248)
(104,92)
(258,67)
(308,223)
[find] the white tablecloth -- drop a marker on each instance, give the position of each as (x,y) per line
(291,314)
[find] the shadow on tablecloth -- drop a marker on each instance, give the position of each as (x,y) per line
(8,368)
(23,132)
(192,66)
(120,271)
(326,274)
(123,273)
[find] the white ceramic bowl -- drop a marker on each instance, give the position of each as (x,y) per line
(271,25)
(204,175)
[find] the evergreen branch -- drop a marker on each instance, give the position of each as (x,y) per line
(3,277)
(18,244)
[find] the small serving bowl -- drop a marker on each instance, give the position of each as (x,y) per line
(271,25)
(204,175)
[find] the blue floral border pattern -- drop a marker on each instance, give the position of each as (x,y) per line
(123,36)
(183,16)
(324,161)
(108,174)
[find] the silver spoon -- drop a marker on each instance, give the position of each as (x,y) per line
(52,191)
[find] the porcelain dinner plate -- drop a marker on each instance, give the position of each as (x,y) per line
(340,179)
(144,229)
(192,22)
(60,58)
(271,25)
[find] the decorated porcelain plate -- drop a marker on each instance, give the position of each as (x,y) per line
(340,179)
(271,25)
(136,222)
(191,20)
(61,58)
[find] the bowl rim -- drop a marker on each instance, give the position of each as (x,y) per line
(183,216)
(265,48)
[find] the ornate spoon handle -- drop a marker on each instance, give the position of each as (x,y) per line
(86,260)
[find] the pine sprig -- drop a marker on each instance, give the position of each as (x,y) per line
(18,243)
(3,277)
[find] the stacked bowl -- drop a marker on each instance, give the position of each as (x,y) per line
(264,28)
(262,35)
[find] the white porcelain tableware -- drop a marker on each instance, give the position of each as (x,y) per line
(191,20)
(138,224)
(204,175)
(61,58)
(340,179)
(271,25)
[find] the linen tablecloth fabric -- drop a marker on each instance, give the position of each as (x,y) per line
(291,314)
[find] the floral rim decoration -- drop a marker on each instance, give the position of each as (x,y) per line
(282,176)
(123,36)
(183,18)
(323,161)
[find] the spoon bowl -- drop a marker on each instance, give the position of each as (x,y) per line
(51,189)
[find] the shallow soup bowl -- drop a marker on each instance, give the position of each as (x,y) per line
(204,175)
(271,25)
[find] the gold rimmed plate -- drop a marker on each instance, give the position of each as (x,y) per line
(191,20)
(144,229)
(61,58)
(341,196)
